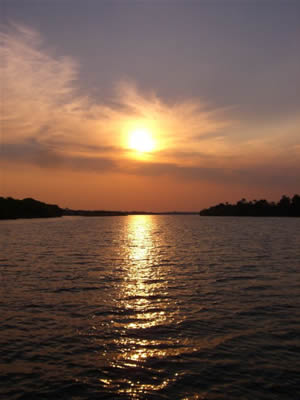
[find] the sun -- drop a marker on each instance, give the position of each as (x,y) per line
(141,140)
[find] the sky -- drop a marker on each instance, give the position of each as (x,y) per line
(213,86)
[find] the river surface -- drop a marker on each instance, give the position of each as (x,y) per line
(150,307)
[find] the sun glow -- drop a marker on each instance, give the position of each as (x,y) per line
(141,140)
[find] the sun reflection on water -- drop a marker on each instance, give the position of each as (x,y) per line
(144,298)
(144,284)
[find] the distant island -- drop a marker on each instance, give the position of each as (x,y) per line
(286,207)
(11,208)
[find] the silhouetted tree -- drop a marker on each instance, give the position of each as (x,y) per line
(28,208)
(286,207)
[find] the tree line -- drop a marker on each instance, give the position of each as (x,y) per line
(286,207)
(27,208)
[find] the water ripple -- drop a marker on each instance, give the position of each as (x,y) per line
(150,307)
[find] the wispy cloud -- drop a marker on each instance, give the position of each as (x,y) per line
(47,121)
(37,88)
(41,101)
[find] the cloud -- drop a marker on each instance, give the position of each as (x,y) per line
(46,121)
(41,101)
(37,88)
(34,153)
(261,175)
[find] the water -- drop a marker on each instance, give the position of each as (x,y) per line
(150,307)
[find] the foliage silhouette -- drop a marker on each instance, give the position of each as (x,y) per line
(27,208)
(286,207)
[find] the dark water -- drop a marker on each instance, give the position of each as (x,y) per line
(150,307)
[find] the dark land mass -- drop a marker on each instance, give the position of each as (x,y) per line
(286,207)
(93,213)
(104,213)
(29,208)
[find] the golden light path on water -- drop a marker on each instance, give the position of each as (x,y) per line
(145,337)
(144,296)
(143,278)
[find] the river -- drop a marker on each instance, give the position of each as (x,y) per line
(150,307)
